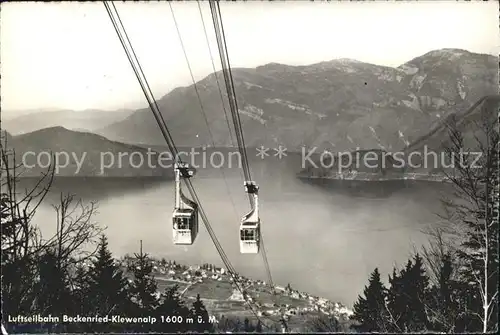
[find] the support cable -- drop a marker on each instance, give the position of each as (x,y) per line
(117,24)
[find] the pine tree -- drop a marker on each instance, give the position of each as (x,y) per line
(396,302)
(407,298)
(81,289)
(80,284)
(172,306)
(444,300)
(52,289)
(144,288)
(370,310)
(107,291)
(418,282)
(200,316)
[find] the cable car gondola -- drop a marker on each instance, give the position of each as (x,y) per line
(250,224)
(185,231)
(185,216)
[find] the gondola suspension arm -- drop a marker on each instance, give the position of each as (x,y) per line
(117,24)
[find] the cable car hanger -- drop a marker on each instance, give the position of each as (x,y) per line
(185,215)
(134,62)
(250,223)
(250,235)
(128,48)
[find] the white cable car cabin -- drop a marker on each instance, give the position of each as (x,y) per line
(250,224)
(185,215)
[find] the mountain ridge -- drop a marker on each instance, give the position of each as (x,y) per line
(342,102)
(469,123)
(89,119)
(81,154)
(337,105)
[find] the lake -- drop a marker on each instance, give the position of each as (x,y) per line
(322,237)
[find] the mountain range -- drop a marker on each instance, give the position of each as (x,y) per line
(81,154)
(340,105)
(427,156)
(22,122)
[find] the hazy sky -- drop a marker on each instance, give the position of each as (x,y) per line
(67,55)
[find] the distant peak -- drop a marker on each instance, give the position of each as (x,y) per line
(454,53)
(450,51)
(451,54)
(346,60)
(273,66)
(54,129)
(455,50)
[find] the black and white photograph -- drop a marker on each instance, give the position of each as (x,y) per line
(249,166)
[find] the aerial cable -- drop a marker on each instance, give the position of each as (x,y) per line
(224,55)
(230,75)
(140,75)
(231,94)
(206,120)
(215,73)
(190,71)
(161,123)
(170,142)
(145,87)
(202,109)
(228,84)
(216,15)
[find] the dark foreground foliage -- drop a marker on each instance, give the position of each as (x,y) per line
(456,290)
(450,286)
(56,277)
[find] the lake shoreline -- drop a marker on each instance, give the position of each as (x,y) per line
(321,219)
(427,178)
